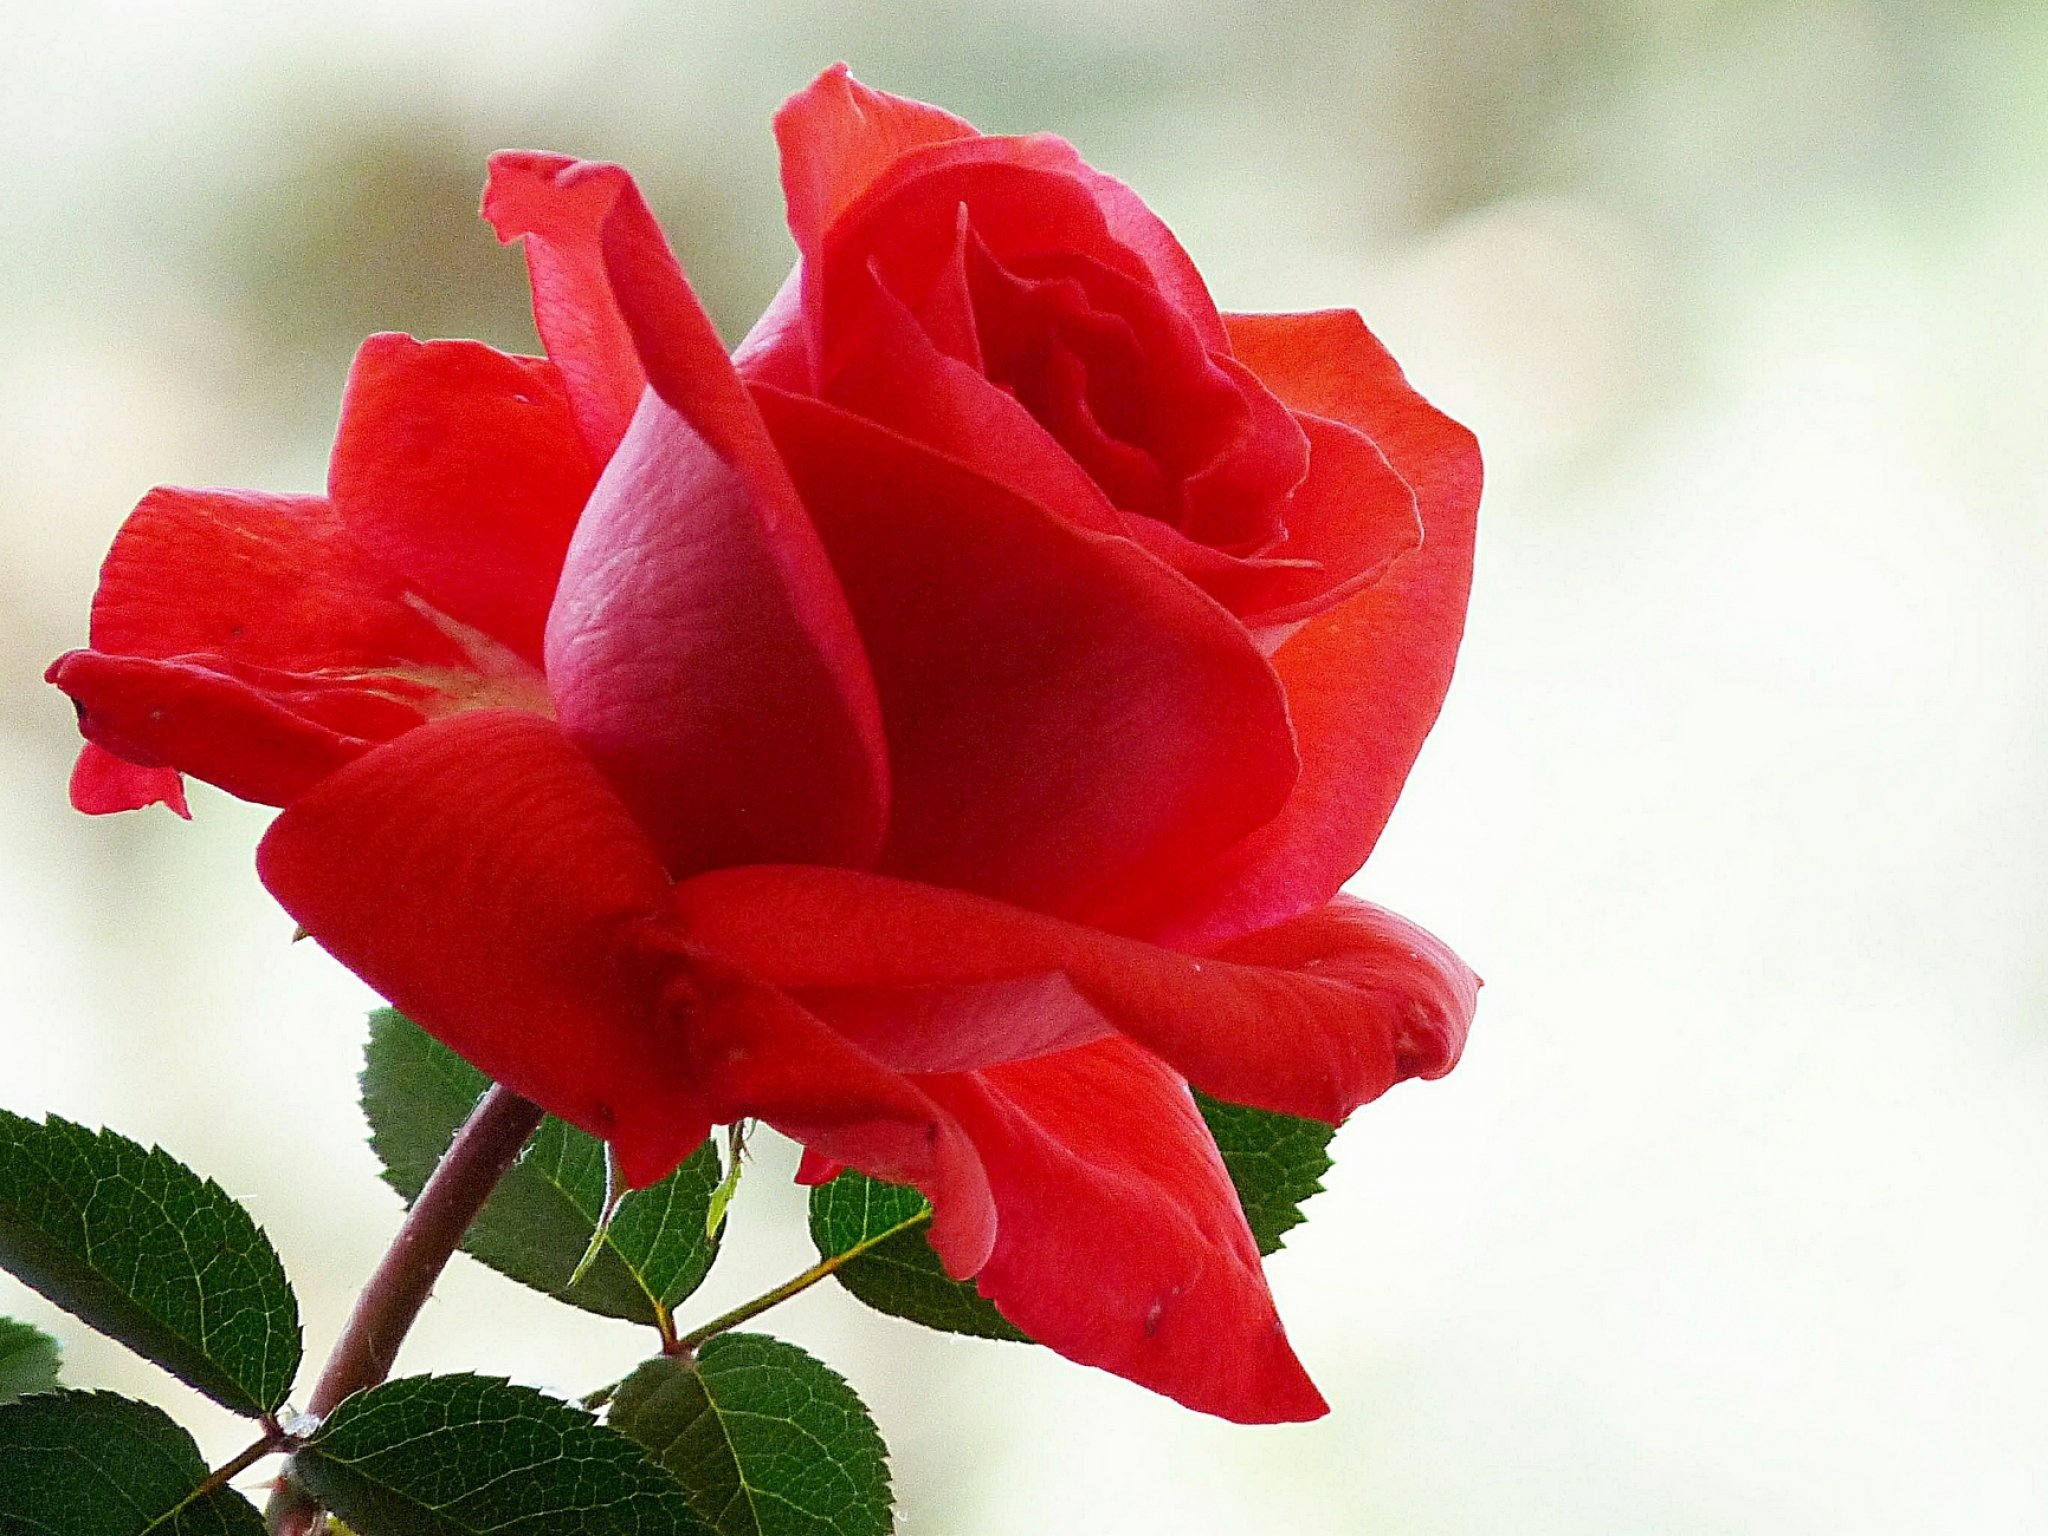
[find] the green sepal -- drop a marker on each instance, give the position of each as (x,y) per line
(735,1165)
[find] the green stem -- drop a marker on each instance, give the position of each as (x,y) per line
(690,1342)
(273,1441)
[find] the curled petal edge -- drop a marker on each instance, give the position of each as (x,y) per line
(1312,1017)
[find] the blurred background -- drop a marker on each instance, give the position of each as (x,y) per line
(1735,1217)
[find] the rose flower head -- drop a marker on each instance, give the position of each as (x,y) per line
(939,729)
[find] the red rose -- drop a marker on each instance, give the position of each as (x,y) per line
(940,731)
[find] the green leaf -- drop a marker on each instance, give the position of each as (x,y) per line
(28,1360)
(894,1269)
(143,1249)
(463,1455)
(1276,1161)
(542,1219)
(93,1464)
(768,1441)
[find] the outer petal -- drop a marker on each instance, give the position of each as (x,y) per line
(1346,523)
(561,220)
(481,874)
(1366,679)
(257,743)
(962,1028)
(1313,1017)
(259,580)
(1070,722)
(460,468)
(250,640)
(1120,1241)
(816,1168)
(102,783)
(772,1060)
(837,136)
(679,659)
(700,648)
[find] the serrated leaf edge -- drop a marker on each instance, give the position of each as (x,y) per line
(209,1483)
(584,1417)
(211,1378)
(753,1491)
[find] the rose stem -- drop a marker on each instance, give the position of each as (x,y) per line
(478,1157)
(475,1161)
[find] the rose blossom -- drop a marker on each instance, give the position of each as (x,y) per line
(939,730)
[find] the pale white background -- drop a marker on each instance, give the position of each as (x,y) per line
(1733,1218)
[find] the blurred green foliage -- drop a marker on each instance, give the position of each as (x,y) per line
(1713,122)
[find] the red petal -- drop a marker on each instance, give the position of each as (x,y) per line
(837,136)
(460,467)
(816,1168)
(1314,1017)
(1214,451)
(560,217)
(217,728)
(961,1028)
(1022,202)
(904,382)
(684,656)
(1138,227)
(259,580)
(1353,516)
(102,783)
(754,1052)
(1364,679)
(700,648)
(946,313)
(250,641)
(1250,480)
(1346,523)
(775,349)
(1070,722)
(1120,1242)
(479,874)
